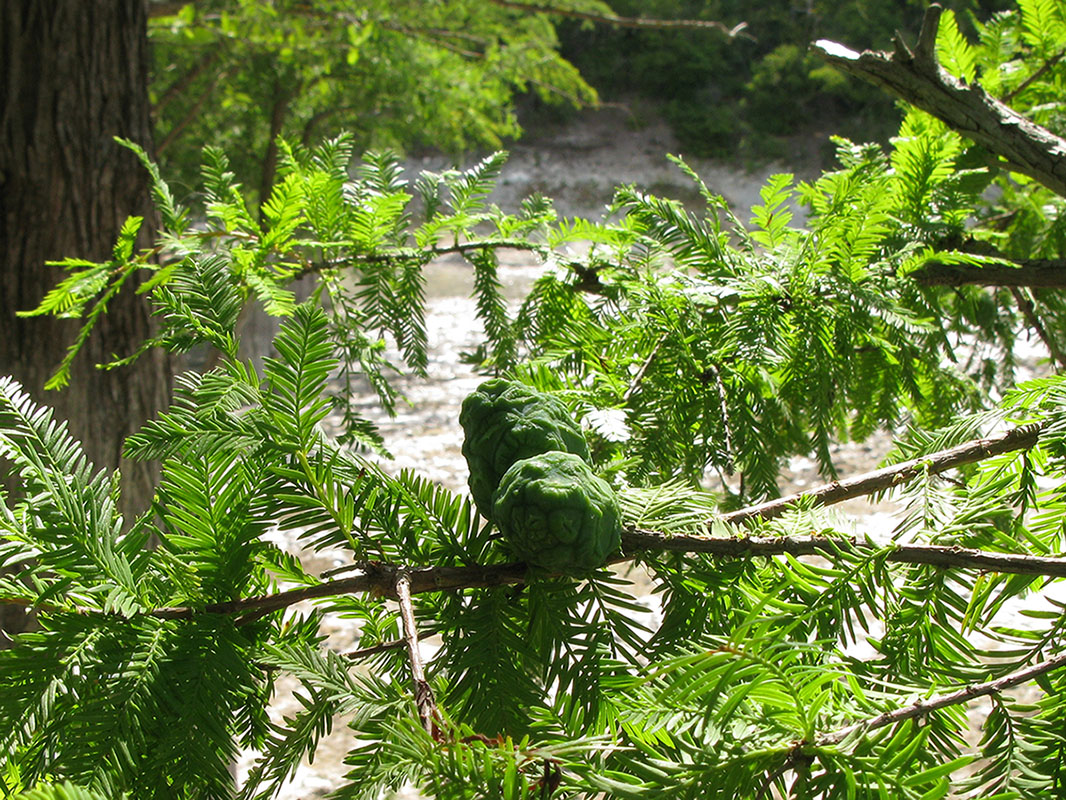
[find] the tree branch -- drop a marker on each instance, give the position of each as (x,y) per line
(384,647)
(1040,73)
(1020,438)
(624,22)
(1032,273)
(381,579)
(424,700)
(377,579)
(1028,309)
(427,253)
(947,557)
(918,79)
(921,708)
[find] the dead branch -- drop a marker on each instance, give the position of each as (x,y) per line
(917,78)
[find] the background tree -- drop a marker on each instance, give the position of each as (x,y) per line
(409,74)
(76,77)
(764,96)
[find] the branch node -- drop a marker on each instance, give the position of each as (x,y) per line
(902,51)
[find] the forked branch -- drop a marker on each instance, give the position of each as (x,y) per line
(424,700)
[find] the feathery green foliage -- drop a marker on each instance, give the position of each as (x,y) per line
(685,342)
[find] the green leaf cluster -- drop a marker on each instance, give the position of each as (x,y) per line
(241,73)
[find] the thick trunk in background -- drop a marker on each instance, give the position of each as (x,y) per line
(73,75)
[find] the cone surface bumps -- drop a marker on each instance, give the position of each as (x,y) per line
(555,513)
(505,422)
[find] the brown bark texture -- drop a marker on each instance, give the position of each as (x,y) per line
(73,75)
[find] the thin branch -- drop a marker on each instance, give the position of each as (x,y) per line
(424,700)
(1026,147)
(723,409)
(1020,438)
(382,579)
(634,384)
(624,22)
(828,546)
(193,112)
(377,579)
(315,119)
(436,41)
(1025,305)
(427,253)
(1040,73)
(183,81)
(921,708)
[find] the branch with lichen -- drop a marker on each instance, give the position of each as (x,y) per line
(915,76)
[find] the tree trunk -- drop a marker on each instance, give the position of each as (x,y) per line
(73,75)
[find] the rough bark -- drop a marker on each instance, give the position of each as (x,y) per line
(915,76)
(73,75)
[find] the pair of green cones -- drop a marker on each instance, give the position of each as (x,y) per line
(529,474)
